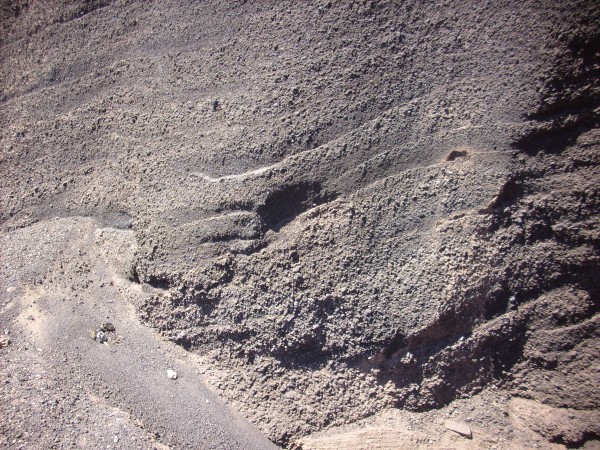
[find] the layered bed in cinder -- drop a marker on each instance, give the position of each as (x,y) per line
(340,216)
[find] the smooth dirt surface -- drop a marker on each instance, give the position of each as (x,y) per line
(62,389)
(341,210)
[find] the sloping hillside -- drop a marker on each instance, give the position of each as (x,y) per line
(343,211)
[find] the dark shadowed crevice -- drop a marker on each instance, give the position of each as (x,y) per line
(135,276)
(570,102)
(454,154)
(285,204)
(158,283)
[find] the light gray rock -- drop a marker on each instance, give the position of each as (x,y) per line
(459,427)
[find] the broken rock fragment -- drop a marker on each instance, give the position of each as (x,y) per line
(458,427)
(99,336)
(4,341)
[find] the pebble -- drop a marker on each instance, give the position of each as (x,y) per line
(4,341)
(100,336)
(171,374)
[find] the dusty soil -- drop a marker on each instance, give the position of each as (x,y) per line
(62,389)
(352,220)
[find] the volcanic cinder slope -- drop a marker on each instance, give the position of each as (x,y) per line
(347,209)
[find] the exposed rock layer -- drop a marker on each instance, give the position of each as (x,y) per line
(351,205)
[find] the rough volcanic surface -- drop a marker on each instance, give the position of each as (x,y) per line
(349,211)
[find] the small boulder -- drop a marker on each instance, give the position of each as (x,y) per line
(171,374)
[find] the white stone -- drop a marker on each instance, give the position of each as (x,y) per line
(171,374)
